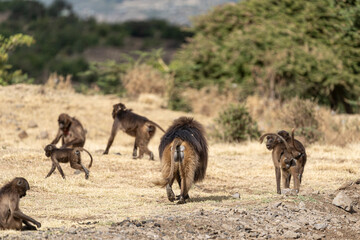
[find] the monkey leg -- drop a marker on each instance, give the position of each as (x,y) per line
(178,179)
(296,176)
(186,182)
(278,177)
(53,167)
(135,150)
(285,175)
(301,173)
(60,170)
(169,191)
(144,149)
(20,215)
(288,181)
(112,136)
(80,167)
(28,226)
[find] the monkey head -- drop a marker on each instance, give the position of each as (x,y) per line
(49,149)
(64,121)
(284,134)
(272,141)
(21,185)
(118,107)
(289,159)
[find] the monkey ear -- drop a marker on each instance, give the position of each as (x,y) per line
(19,182)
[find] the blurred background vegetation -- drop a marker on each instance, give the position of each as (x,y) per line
(299,54)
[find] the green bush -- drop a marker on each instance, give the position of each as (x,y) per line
(177,103)
(7,75)
(302,115)
(278,49)
(235,125)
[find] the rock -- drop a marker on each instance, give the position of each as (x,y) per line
(320,226)
(318,236)
(43,135)
(236,195)
(23,134)
(343,201)
(288,192)
(302,205)
(277,204)
(32,124)
(290,235)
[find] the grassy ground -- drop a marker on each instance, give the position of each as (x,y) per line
(121,187)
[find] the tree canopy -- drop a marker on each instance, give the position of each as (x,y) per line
(279,49)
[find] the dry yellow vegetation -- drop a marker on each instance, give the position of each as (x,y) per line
(121,187)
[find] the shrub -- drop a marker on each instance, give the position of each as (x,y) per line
(144,79)
(235,125)
(177,103)
(302,114)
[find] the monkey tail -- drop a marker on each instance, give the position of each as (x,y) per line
(157,125)
(173,158)
(91,158)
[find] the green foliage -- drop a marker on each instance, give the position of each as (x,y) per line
(6,46)
(278,48)
(106,75)
(302,115)
(177,103)
(235,125)
(62,36)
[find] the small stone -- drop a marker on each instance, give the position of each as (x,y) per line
(288,192)
(23,134)
(32,124)
(343,201)
(43,135)
(291,235)
(302,205)
(318,236)
(236,195)
(320,226)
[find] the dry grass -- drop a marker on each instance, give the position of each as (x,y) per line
(145,79)
(120,187)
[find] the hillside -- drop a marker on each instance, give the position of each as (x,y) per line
(120,201)
(175,11)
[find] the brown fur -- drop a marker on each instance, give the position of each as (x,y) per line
(274,143)
(65,155)
(184,155)
(11,216)
(71,132)
(134,125)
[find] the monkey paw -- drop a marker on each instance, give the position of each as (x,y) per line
(170,193)
(181,201)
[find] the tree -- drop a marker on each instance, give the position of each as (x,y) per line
(6,46)
(279,49)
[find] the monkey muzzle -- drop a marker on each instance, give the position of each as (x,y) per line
(269,146)
(179,153)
